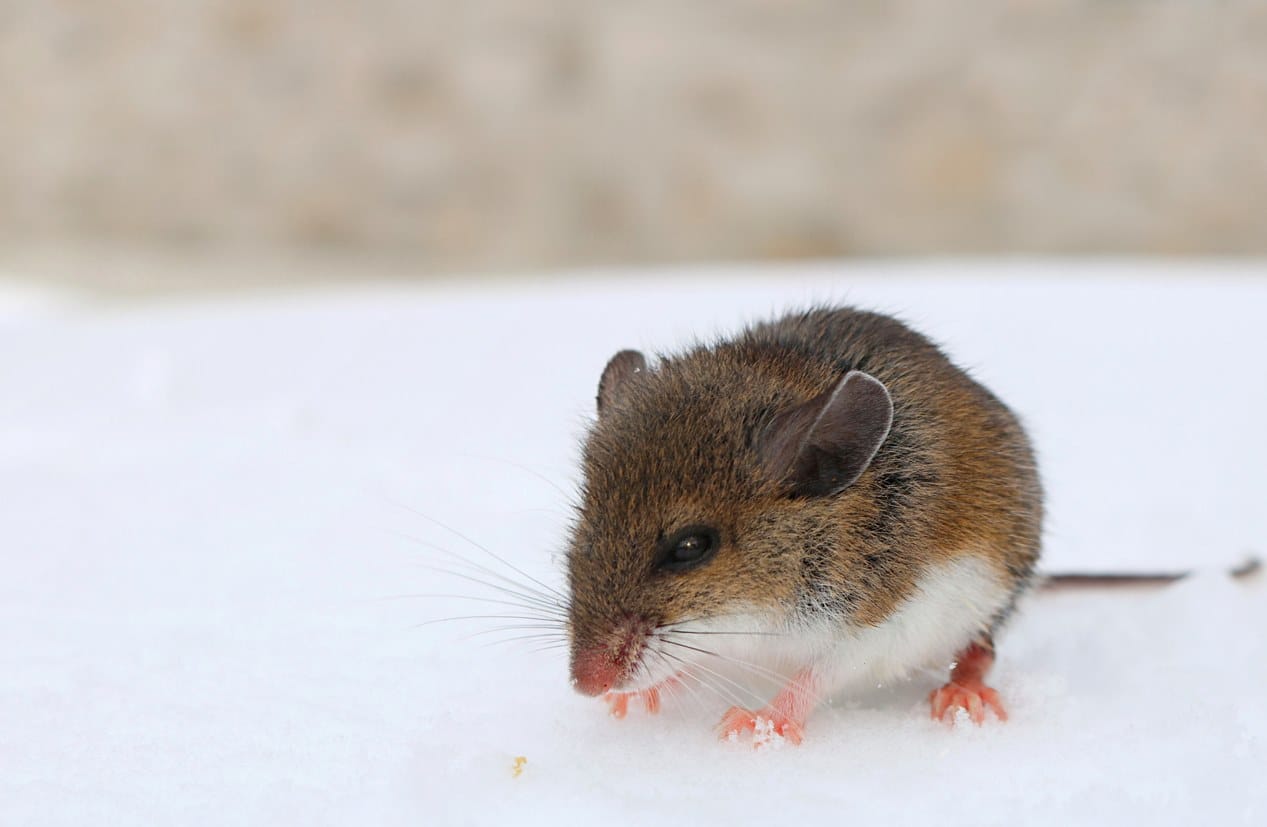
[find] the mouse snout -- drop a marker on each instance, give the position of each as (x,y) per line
(594,672)
(602,666)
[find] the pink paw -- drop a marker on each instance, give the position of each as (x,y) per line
(766,725)
(973,698)
(618,702)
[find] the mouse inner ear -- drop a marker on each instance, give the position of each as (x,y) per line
(622,367)
(822,446)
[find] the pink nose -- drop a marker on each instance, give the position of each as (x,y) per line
(594,672)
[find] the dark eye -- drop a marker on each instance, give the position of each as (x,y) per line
(688,548)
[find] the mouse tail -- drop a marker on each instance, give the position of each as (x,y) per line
(1080,580)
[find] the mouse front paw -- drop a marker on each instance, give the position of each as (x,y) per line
(618,702)
(973,698)
(767,726)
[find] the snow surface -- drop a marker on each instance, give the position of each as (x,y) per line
(209,511)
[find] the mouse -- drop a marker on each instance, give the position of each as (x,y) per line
(825,492)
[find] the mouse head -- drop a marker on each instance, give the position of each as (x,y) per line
(707,482)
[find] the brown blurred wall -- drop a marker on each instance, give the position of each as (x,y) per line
(531,133)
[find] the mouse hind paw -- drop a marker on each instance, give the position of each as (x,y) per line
(946,702)
(966,689)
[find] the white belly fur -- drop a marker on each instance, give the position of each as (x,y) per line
(952,604)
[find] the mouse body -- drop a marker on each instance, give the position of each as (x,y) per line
(825,494)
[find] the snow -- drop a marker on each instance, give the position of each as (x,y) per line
(212,508)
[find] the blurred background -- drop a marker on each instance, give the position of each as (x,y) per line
(152,145)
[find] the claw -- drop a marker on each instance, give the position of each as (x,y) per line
(618,702)
(782,720)
(767,726)
(967,689)
(975,699)
(735,722)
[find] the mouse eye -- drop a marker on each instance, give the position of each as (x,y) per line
(688,548)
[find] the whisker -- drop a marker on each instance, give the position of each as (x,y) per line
(537,636)
(543,635)
(484,549)
(783,680)
(677,631)
(522,590)
(527,470)
(757,668)
(676,627)
(526,606)
(456,618)
(546,630)
(544,648)
(743,689)
(538,602)
(682,669)
(679,679)
(478,567)
(554,642)
(727,696)
(641,670)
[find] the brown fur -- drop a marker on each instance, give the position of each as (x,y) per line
(675,447)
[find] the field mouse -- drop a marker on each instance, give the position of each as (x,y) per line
(825,492)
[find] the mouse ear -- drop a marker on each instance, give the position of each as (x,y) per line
(822,446)
(619,370)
